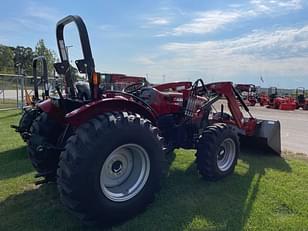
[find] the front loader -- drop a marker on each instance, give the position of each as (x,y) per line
(107,153)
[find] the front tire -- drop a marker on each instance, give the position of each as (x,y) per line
(217,151)
(44,133)
(111,168)
(26,120)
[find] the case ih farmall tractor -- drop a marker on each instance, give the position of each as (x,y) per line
(107,153)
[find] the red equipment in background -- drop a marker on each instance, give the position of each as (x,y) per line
(248,93)
(301,101)
(279,102)
(263,99)
(120,81)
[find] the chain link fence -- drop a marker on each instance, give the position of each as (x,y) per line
(13,88)
(11,93)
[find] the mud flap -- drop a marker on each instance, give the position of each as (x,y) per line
(267,136)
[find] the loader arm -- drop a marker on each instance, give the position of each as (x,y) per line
(265,133)
(226,89)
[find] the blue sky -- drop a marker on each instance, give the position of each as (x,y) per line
(177,40)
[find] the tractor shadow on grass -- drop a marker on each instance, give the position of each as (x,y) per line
(36,209)
(187,200)
(184,201)
(14,114)
(14,163)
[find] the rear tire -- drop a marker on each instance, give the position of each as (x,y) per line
(217,151)
(111,168)
(44,132)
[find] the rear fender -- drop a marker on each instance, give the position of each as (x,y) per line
(93,109)
(52,110)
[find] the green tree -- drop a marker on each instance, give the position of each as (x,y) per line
(42,50)
(6,59)
(24,56)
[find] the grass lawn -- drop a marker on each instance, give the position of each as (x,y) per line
(265,193)
(7,103)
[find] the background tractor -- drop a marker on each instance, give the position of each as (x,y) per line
(248,93)
(263,99)
(107,152)
(280,102)
(301,100)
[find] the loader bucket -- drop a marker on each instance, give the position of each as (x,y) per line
(266,137)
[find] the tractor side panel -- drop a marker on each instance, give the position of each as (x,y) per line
(93,109)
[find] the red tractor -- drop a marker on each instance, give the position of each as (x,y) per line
(120,81)
(263,99)
(279,102)
(248,93)
(301,101)
(107,153)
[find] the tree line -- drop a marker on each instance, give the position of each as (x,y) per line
(13,58)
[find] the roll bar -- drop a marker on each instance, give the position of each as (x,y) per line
(300,91)
(85,65)
(44,76)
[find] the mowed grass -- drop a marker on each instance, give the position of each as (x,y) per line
(266,192)
(8,103)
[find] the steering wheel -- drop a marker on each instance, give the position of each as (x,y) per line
(133,87)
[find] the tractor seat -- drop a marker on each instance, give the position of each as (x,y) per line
(83,90)
(148,94)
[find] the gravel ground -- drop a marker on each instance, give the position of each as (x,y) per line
(294,127)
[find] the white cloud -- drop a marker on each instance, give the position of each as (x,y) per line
(155,22)
(34,18)
(277,54)
(276,5)
(42,12)
(207,22)
(210,21)
(105,27)
(158,21)
(143,60)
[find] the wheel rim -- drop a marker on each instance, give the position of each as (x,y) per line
(125,172)
(226,154)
